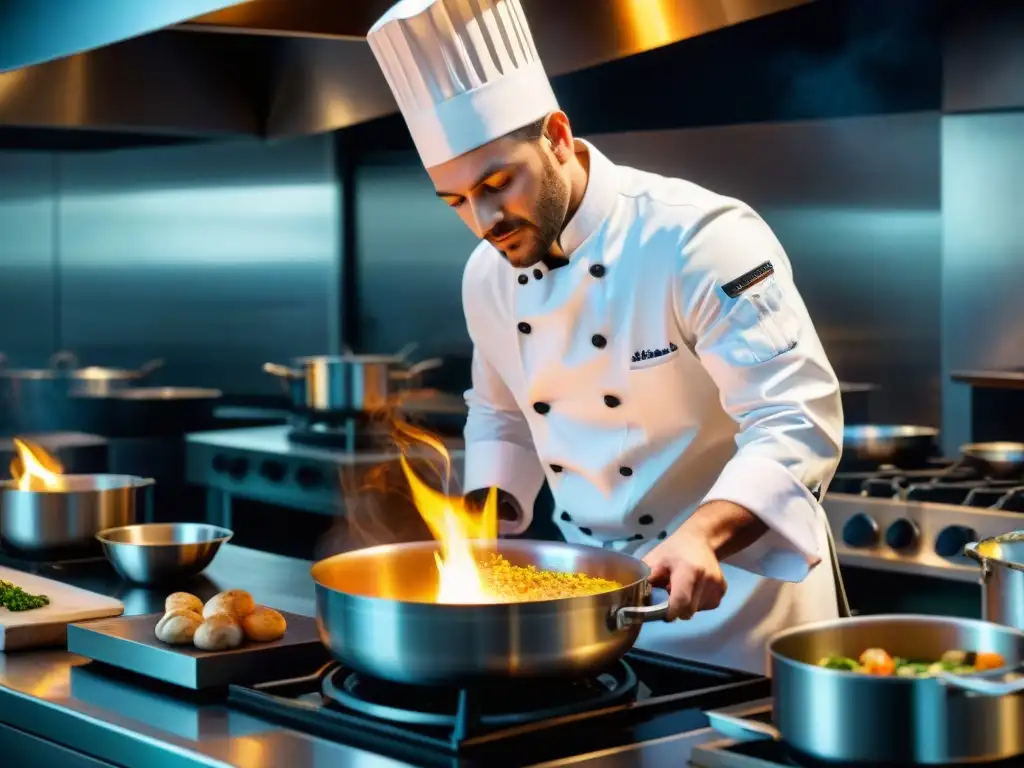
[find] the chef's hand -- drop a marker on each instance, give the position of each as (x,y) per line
(686,565)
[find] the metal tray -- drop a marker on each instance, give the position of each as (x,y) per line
(129,643)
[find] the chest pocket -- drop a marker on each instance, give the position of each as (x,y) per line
(761,325)
(658,392)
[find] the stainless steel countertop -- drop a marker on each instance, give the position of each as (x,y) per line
(55,695)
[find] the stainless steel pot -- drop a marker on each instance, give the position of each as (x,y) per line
(899,444)
(375,612)
(833,715)
(38,400)
(997,460)
(63,523)
(1002,577)
(347,383)
(98,381)
(34,399)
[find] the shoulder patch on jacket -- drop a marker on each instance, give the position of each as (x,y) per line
(734,288)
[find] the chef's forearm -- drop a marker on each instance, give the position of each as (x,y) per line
(728,528)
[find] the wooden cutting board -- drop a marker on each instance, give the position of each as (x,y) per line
(48,626)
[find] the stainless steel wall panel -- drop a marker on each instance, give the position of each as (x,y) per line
(411,252)
(856,204)
(854,201)
(983,254)
(216,257)
(27,257)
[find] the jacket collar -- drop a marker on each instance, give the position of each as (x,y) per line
(597,204)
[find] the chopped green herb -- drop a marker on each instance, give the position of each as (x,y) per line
(14,598)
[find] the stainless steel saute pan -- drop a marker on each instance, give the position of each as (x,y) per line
(899,444)
(376,613)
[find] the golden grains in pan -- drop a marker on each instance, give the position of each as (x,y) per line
(515,583)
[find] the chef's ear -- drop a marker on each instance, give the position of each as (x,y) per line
(559,135)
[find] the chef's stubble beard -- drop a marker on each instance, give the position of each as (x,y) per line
(552,207)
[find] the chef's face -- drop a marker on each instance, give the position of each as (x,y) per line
(513,192)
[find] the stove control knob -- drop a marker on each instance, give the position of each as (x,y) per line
(309,477)
(951,541)
(902,535)
(237,468)
(860,531)
(274,471)
(220,463)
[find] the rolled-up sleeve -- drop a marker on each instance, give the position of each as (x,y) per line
(749,326)
(499,447)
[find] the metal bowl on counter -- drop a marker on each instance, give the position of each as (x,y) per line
(62,523)
(161,553)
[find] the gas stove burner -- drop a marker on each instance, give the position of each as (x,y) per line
(491,706)
(344,435)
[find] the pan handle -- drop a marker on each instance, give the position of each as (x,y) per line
(631,615)
(741,729)
(980,685)
(148,367)
(282,371)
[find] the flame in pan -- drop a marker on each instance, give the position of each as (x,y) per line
(34,469)
(453,523)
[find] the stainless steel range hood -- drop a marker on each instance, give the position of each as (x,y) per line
(273,68)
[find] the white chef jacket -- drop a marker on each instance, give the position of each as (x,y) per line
(669,363)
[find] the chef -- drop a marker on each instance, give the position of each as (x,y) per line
(639,344)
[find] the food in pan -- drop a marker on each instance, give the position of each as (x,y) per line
(14,598)
(876,661)
(219,632)
(516,583)
(184,601)
(235,602)
(264,625)
(178,626)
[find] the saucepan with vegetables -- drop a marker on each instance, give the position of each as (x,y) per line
(925,690)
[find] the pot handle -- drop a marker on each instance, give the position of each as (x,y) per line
(282,372)
(407,350)
(631,615)
(63,360)
(971,551)
(980,685)
(147,368)
(415,370)
(741,729)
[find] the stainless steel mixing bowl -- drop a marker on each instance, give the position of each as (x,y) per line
(161,553)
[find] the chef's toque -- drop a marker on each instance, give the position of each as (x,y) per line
(464,72)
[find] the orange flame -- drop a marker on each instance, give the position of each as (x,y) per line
(451,521)
(34,469)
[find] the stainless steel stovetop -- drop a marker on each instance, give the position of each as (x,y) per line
(918,521)
(647,710)
(266,464)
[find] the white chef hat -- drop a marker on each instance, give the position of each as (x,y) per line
(464,72)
